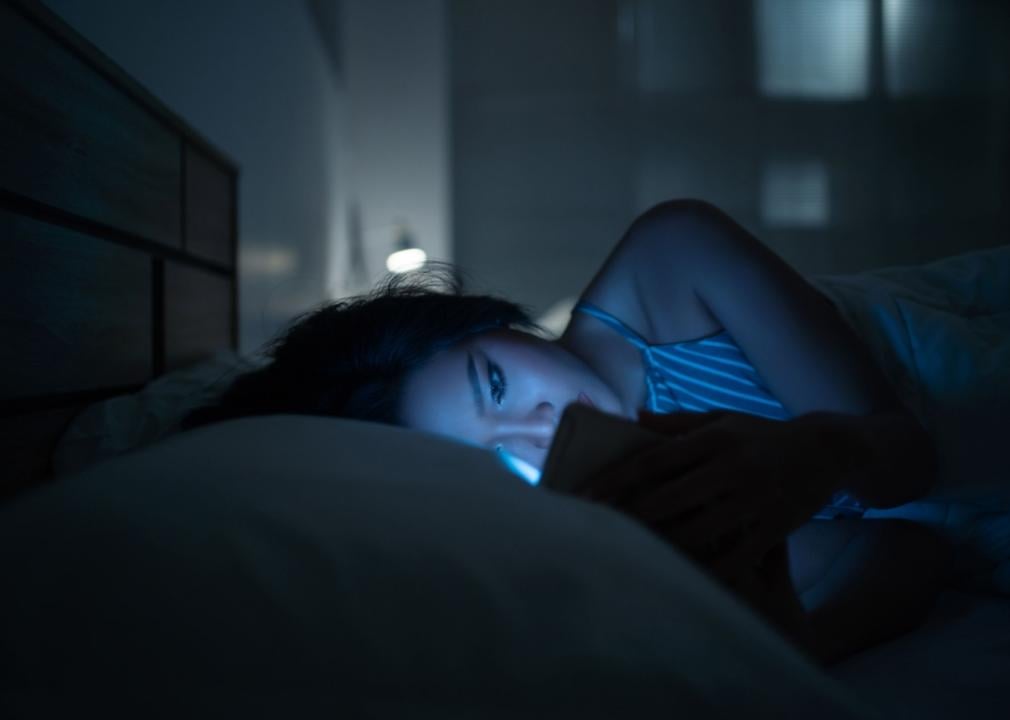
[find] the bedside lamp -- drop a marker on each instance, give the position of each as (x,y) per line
(406,256)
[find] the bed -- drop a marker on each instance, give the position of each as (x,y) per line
(119,237)
(310,567)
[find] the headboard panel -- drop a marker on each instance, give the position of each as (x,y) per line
(117,237)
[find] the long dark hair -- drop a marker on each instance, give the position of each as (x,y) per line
(350,358)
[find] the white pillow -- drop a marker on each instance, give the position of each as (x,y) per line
(302,567)
(109,428)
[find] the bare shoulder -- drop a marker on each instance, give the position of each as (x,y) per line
(651,253)
(613,290)
(614,287)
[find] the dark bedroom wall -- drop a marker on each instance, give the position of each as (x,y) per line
(394,54)
(846,134)
(256,79)
(542,152)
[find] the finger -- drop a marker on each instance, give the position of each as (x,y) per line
(698,487)
(616,480)
(717,522)
(727,516)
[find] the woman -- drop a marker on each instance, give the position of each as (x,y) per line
(776,411)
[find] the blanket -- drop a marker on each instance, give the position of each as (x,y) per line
(941,334)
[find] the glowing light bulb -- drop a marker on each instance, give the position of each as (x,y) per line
(406,260)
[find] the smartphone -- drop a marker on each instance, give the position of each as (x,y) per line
(586,441)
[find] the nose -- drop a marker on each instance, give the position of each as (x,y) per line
(537,427)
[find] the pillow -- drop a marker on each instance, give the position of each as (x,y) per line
(112,427)
(304,567)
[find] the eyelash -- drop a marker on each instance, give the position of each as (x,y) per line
(496,379)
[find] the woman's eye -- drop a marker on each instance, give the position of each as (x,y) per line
(496,379)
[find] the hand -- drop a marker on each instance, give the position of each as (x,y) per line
(768,588)
(727,487)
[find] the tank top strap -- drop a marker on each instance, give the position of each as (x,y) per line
(633,337)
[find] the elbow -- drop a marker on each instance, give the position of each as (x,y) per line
(682,209)
(690,222)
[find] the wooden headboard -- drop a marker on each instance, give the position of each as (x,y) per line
(117,237)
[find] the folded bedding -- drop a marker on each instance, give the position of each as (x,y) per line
(302,567)
(941,333)
(112,427)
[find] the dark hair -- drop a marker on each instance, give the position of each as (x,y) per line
(350,358)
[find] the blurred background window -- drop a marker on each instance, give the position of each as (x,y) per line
(815,49)
(519,138)
(846,134)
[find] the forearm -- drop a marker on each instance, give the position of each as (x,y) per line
(877,580)
(884,459)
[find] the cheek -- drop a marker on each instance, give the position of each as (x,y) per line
(552,367)
(420,408)
(444,413)
(439,415)
(567,376)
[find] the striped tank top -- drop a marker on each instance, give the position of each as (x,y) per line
(710,373)
(707,374)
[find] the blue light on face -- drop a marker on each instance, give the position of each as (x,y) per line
(520,467)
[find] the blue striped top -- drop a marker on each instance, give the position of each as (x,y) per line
(705,374)
(710,373)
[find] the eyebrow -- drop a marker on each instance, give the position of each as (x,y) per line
(478,394)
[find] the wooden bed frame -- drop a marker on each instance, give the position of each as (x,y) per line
(118,237)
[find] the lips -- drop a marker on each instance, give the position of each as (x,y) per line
(584,399)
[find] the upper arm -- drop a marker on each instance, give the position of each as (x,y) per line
(793,335)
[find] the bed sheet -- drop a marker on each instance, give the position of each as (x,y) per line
(957,665)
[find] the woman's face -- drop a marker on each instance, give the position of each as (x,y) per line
(502,389)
